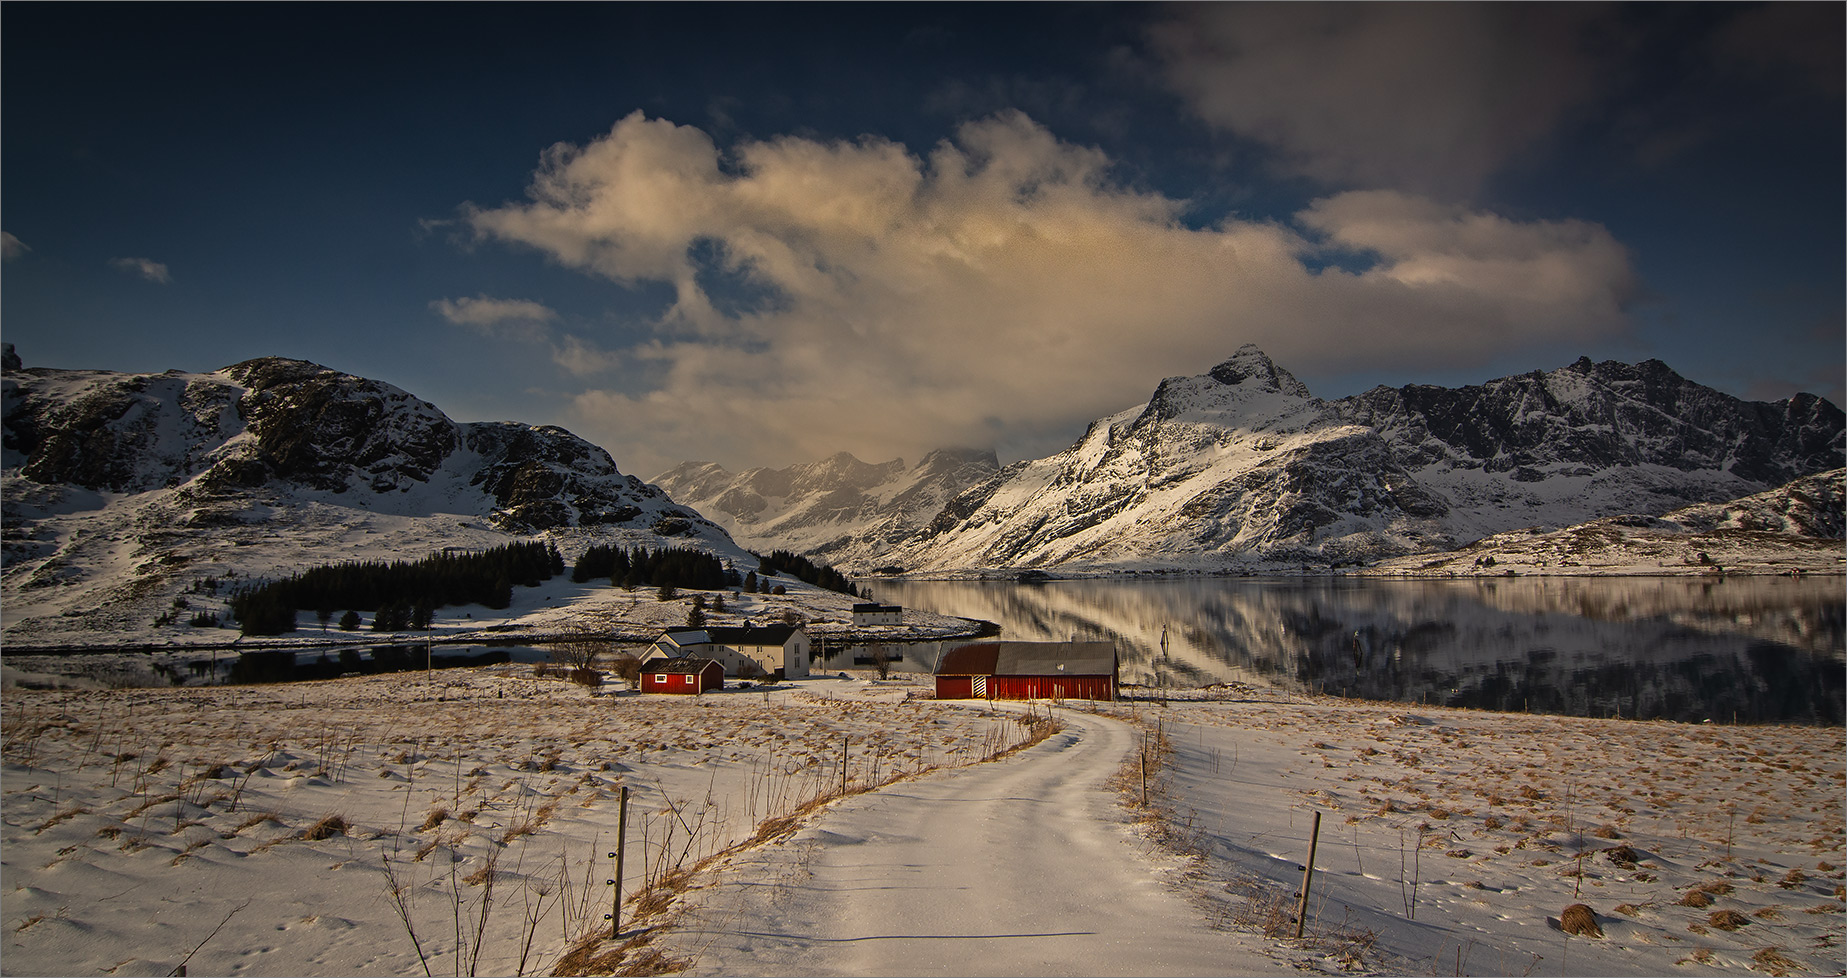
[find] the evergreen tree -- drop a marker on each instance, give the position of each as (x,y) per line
(349,622)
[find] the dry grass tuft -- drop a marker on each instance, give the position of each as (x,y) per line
(633,957)
(1696,898)
(258,820)
(1727,919)
(1773,961)
(436,817)
(328,827)
(1580,920)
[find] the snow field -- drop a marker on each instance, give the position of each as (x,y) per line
(1452,841)
(389,824)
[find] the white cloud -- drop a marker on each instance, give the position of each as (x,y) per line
(1425,97)
(1001,290)
(148,269)
(11,247)
(489,315)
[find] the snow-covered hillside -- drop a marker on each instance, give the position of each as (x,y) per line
(122,491)
(1795,528)
(1242,467)
(839,510)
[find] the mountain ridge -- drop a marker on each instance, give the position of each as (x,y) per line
(121,489)
(1242,467)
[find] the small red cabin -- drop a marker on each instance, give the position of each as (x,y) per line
(686,675)
(1028,671)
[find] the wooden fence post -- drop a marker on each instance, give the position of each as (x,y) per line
(1308,872)
(615,908)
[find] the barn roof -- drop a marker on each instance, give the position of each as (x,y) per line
(688,665)
(1030,659)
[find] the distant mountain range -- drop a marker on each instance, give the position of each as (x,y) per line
(840,509)
(1242,467)
(120,490)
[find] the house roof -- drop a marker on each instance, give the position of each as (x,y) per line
(732,635)
(690,665)
(1030,659)
(863,608)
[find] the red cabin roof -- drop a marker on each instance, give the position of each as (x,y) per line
(1030,659)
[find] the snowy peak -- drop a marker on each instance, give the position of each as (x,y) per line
(1246,390)
(1250,368)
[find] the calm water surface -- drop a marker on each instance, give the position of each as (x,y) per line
(1744,649)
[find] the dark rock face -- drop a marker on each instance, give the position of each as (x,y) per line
(543,477)
(1599,416)
(321,428)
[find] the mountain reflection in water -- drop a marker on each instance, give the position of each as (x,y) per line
(1744,649)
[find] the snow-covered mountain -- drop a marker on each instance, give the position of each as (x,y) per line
(121,489)
(840,509)
(1243,466)
(1795,528)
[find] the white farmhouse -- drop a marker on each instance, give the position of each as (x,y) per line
(775,651)
(877,614)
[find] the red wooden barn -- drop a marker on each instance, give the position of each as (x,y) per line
(686,675)
(1028,671)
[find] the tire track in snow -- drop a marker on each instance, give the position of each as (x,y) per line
(1022,867)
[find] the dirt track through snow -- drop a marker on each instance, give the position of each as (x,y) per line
(1025,866)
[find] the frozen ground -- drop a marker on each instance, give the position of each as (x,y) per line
(144,826)
(1452,841)
(137,822)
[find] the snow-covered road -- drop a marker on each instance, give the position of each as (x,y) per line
(1025,866)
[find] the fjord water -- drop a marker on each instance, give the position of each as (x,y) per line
(1747,650)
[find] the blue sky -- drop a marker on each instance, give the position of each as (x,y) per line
(762,234)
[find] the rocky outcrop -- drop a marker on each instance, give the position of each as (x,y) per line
(296,426)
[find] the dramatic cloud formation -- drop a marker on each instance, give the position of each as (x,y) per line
(11,247)
(1424,97)
(1002,290)
(152,271)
